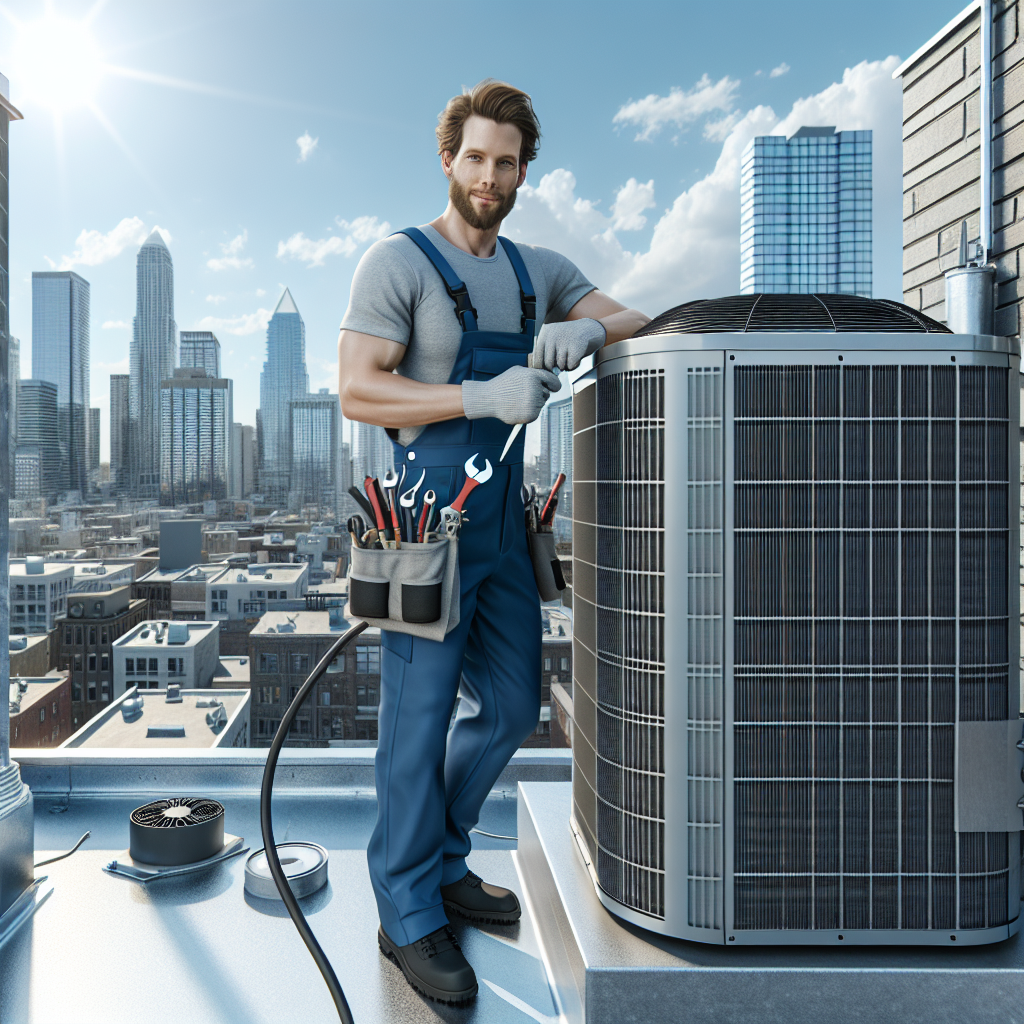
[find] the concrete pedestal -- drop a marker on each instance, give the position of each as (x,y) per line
(605,971)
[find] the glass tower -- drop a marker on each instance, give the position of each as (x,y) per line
(38,429)
(94,446)
(283,378)
(374,454)
(200,349)
(315,428)
(60,354)
(153,356)
(119,474)
(805,213)
(195,437)
(13,376)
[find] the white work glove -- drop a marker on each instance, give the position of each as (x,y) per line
(566,344)
(515,396)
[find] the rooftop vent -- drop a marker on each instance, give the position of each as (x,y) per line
(177,633)
(34,565)
(173,693)
(162,732)
(751,314)
(131,707)
(217,718)
(17,643)
(178,830)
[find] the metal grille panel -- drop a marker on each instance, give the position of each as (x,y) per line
(871,607)
(630,639)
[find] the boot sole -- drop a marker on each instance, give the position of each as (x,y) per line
(484,918)
(436,994)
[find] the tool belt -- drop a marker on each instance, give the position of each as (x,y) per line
(547,570)
(412,589)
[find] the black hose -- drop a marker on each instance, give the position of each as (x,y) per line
(267,826)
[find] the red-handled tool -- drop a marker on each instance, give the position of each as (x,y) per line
(474,477)
(370,485)
(559,480)
(428,506)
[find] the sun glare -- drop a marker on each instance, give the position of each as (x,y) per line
(56,64)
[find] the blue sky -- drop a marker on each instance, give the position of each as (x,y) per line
(189,116)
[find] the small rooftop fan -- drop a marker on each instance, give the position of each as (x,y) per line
(177,830)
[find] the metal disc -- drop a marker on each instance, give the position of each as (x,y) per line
(304,864)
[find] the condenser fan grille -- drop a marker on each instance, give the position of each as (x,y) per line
(176,812)
(746,314)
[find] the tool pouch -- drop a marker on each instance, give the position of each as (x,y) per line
(412,589)
(547,570)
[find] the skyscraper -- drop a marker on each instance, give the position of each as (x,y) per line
(94,447)
(13,376)
(315,429)
(374,455)
(283,378)
(200,349)
(195,431)
(153,352)
(805,213)
(60,354)
(119,420)
(243,461)
(38,429)
(555,458)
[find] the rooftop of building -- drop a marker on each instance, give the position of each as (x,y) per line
(261,572)
(326,623)
(26,690)
(98,569)
(21,642)
(231,671)
(35,565)
(148,719)
(154,633)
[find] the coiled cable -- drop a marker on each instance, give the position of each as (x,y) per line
(267,826)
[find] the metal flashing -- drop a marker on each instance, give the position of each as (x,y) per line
(939,36)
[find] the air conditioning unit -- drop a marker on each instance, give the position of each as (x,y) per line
(796,646)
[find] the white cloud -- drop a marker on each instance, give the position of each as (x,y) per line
(307,145)
(247,323)
(718,131)
(694,247)
(313,252)
(630,202)
(231,259)
(95,247)
(779,71)
(216,300)
(260,292)
(680,108)
(120,325)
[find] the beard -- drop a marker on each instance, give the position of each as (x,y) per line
(460,199)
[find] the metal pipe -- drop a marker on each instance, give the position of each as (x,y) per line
(986,129)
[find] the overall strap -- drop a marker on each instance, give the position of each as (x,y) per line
(527,296)
(455,287)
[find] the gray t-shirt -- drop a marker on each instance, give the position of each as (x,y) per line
(397,294)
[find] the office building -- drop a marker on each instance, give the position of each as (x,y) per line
(99,611)
(152,361)
(943,157)
(13,376)
(176,716)
(38,593)
(805,213)
(28,464)
(374,455)
(283,648)
(243,460)
(154,654)
(200,350)
(38,429)
(555,458)
(60,354)
(315,428)
(195,422)
(283,378)
(94,447)
(119,420)
(40,710)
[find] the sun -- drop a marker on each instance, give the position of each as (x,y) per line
(56,63)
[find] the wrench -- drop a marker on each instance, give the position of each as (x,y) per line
(425,516)
(408,502)
(474,477)
(390,482)
(451,520)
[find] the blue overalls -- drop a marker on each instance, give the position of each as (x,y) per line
(432,782)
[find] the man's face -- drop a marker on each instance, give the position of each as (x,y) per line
(484,175)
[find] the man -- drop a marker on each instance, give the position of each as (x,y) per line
(434,346)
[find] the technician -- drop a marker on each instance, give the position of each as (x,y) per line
(448,377)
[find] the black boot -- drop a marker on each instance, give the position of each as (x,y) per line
(478,900)
(433,965)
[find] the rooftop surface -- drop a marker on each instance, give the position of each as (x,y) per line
(111,730)
(209,952)
(35,688)
(232,671)
(151,634)
(49,570)
(312,623)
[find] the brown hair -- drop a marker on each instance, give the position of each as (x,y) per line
(497,101)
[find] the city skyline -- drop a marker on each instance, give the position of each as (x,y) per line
(644,157)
